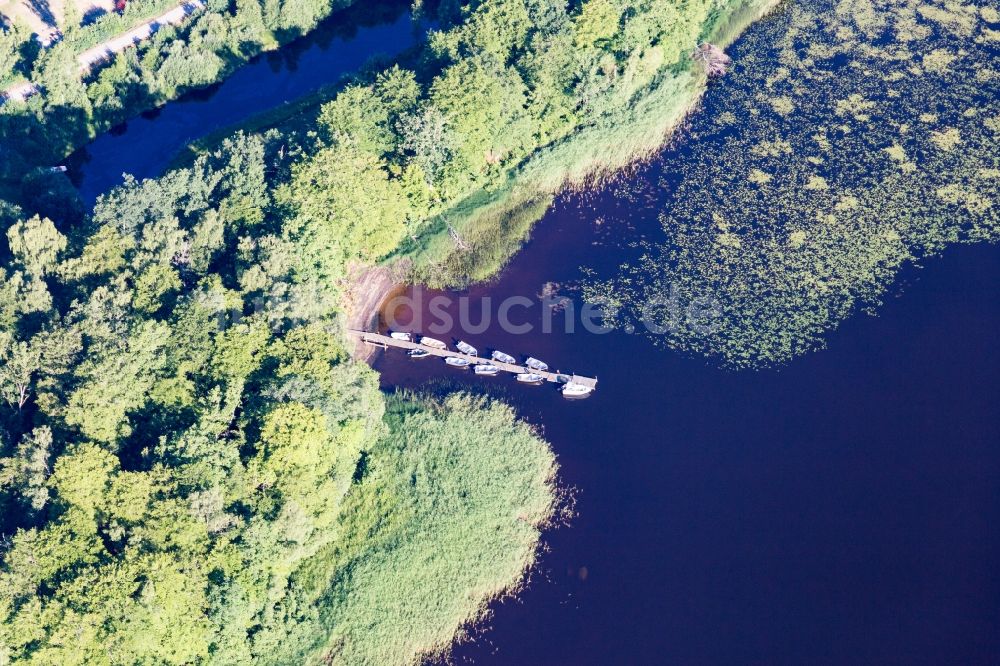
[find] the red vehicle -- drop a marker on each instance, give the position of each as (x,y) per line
(120,5)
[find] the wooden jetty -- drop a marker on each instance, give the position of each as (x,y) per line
(385,342)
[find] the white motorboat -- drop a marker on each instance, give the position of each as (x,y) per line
(486,369)
(418,353)
(466,348)
(574,390)
(458,362)
(432,342)
(401,335)
(535,364)
(503,358)
(530,378)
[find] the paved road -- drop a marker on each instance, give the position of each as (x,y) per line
(102,52)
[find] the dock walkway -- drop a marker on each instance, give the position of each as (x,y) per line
(556,377)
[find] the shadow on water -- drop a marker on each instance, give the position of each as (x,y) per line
(144,146)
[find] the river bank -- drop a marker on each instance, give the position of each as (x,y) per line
(189,52)
(727,517)
(494,223)
(100,54)
(270,85)
(321,519)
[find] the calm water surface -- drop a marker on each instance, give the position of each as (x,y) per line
(841,510)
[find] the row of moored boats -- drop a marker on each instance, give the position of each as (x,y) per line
(486,368)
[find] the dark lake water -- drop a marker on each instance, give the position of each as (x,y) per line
(842,509)
(145,146)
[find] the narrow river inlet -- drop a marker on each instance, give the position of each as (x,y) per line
(145,146)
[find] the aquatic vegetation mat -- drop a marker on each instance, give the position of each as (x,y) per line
(851,138)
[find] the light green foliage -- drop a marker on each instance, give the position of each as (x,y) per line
(19,361)
(453,511)
(8,54)
(425,137)
(56,72)
(506,87)
(485,108)
(82,478)
(71,19)
(597,23)
(27,471)
(113,384)
(144,558)
(367,115)
(346,206)
(494,29)
(189,65)
(36,244)
(13,39)
(223,488)
(794,218)
(358,116)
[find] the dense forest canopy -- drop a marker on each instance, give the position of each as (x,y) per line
(192,468)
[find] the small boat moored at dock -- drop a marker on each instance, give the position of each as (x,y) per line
(503,358)
(466,348)
(571,385)
(535,364)
(401,335)
(574,390)
(432,342)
